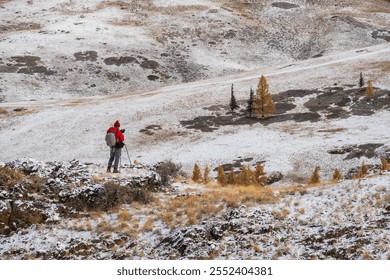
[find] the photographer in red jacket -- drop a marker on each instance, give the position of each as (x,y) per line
(116,151)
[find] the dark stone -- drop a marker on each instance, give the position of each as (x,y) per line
(284,5)
(86,56)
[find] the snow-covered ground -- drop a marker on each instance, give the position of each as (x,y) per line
(339,220)
(69,70)
(75,128)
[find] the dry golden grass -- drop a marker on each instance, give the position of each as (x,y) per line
(292,190)
(168,219)
(363,171)
(366,256)
(244,9)
(105,226)
(148,225)
(125,22)
(124,215)
(189,210)
(9,176)
(97,179)
(236,195)
(282,214)
(3,111)
(76,102)
(382,201)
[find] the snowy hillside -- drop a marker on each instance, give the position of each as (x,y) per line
(70,69)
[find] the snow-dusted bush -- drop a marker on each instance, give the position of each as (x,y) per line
(168,170)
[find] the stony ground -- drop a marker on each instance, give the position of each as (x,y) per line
(89,48)
(65,210)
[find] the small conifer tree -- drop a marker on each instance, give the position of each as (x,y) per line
(385,164)
(363,171)
(250,102)
(361,80)
(262,101)
(233,101)
(337,176)
(260,175)
(259,171)
(246,177)
(369,89)
(232,177)
(315,177)
(206,174)
(221,177)
(196,174)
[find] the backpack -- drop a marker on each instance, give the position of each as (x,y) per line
(110,139)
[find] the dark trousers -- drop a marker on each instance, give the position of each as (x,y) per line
(115,155)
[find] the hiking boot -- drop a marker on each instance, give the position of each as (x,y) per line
(108,169)
(116,170)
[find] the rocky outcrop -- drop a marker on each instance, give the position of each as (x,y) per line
(48,191)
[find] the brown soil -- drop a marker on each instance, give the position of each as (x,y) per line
(335,102)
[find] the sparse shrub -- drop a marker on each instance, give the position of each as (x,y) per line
(369,90)
(315,177)
(221,177)
(385,165)
(337,176)
(206,174)
(107,197)
(196,174)
(168,170)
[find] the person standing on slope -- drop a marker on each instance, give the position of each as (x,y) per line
(116,150)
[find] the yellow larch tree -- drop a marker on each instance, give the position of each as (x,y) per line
(262,100)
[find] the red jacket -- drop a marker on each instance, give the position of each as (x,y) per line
(118,134)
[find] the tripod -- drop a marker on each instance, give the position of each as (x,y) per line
(128,154)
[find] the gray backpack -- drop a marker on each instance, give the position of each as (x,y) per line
(110,139)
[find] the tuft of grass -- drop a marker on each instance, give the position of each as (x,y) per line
(148,225)
(337,175)
(124,215)
(315,177)
(282,214)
